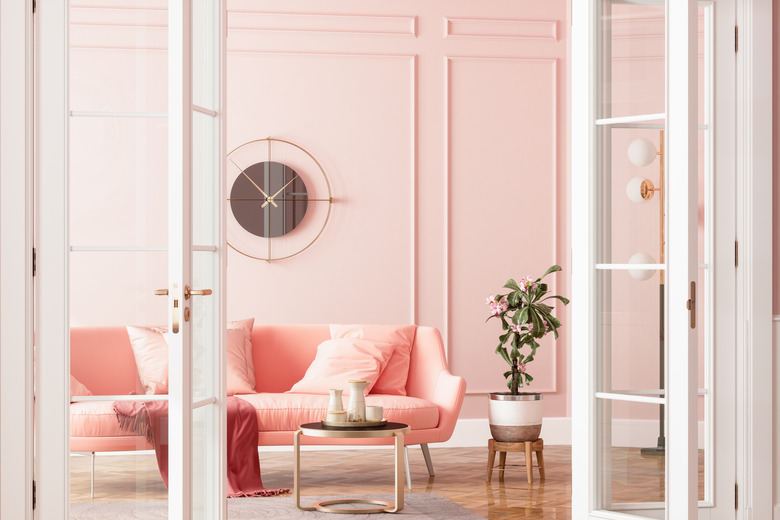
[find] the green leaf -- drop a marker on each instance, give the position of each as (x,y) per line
(552,269)
(564,300)
(501,350)
(507,373)
(538,330)
(513,299)
(504,337)
(523,316)
(512,284)
(528,378)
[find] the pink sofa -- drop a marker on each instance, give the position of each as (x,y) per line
(101,358)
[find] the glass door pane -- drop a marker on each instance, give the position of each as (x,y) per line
(118,257)
(639,225)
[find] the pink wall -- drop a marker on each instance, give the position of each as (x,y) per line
(442,126)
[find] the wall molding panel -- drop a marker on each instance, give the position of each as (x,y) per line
(344,24)
(501,28)
(549,191)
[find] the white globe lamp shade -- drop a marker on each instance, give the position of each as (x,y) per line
(641,274)
(641,152)
(634,190)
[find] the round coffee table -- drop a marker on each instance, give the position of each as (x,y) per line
(391,429)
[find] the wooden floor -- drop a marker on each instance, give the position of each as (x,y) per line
(460,476)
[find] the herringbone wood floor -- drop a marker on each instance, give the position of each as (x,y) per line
(460,476)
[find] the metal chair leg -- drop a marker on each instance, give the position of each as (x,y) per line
(428,461)
(408,471)
(92,478)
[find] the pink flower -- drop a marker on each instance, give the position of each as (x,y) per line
(497,307)
(516,328)
(522,368)
(491,300)
(527,284)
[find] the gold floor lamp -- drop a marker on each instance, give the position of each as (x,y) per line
(642,152)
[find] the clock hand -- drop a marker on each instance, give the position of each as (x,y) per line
(267,198)
(271,198)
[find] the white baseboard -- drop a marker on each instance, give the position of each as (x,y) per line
(557,431)
(476,432)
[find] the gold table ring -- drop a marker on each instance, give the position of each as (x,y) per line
(396,431)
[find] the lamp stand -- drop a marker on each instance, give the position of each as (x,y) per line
(660,448)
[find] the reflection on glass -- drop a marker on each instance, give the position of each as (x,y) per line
(631,473)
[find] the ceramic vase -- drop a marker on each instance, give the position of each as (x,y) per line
(515,418)
(335,404)
(356,411)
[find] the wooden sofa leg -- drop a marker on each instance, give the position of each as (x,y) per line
(427,456)
(92,478)
(406,465)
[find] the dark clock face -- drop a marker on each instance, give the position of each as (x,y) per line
(269,199)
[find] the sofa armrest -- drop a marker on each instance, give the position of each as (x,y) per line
(431,379)
(448,396)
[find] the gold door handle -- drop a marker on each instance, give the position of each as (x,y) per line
(195,292)
(175,310)
(691,305)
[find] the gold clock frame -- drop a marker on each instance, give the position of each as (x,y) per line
(329,199)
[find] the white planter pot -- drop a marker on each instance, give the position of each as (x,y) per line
(515,418)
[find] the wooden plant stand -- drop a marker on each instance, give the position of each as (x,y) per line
(527,447)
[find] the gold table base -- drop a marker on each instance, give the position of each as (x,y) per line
(388,507)
(323,506)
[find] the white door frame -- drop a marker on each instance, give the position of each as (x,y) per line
(16,246)
(52,240)
(755,407)
(753,165)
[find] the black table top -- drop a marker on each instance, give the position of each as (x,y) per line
(385,427)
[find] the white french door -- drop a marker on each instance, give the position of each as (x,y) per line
(122,151)
(652,157)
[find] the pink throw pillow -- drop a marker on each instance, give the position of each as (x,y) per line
(238,375)
(150,349)
(339,360)
(392,380)
(151,358)
(246,326)
(77,387)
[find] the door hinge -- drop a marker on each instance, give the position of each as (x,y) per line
(35,6)
(736,253)
(35,261)
(736,496)
(736,38)
(35,494)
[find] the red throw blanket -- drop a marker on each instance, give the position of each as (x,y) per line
(150,419)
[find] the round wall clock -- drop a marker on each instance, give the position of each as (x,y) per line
(280,199)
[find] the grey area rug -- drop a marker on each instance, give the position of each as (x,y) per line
(417,506)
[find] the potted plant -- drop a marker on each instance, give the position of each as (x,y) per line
(526,317)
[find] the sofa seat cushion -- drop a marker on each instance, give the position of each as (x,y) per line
(285,412)
(94,419)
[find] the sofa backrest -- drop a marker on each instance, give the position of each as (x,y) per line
(101,358)
(282,353)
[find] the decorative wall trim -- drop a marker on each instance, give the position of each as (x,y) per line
(448,192)
(413,169)
(349,24)
(142,18)
(498,28)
